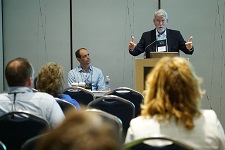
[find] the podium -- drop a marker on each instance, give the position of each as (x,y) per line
(142,68)
(144,65)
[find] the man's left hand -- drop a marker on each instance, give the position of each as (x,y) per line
(189,43)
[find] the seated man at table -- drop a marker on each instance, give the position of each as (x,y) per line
(92,76)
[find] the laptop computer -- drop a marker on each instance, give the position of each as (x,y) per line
(163,54)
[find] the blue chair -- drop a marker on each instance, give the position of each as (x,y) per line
(117,106)
(129,94)
(107,117)
(31,144)
(65,105)
(2,146)
(18,126)
(81,95)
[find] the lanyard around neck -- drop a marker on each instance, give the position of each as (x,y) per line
(14,100)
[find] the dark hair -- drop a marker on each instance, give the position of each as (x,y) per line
(77,53)
(17,71)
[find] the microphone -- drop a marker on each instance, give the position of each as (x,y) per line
(152,42)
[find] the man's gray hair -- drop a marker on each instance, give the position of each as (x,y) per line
(161,12)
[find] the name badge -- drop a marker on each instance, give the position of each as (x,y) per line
(161,45)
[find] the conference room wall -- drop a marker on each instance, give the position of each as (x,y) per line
(40,31)
(105,29)
(204,20)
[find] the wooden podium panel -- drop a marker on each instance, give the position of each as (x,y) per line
(142,67)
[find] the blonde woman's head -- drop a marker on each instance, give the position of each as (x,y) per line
(50,79)
(172,90)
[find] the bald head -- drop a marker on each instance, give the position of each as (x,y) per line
(18,71)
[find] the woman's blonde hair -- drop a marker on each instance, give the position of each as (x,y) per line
(172,90)
(50,79)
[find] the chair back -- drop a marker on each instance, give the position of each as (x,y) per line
(18,126)
(120,107)
(31,144)
(158,142)
(65,105)
(129,94)
(107,117)
(2,146)
(81,95)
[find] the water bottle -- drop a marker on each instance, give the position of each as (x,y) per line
(107,83)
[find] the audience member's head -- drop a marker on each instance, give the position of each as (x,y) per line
(19,72)
(83,57)
(172,90)
(77,53)
(81,131)
(50,79)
